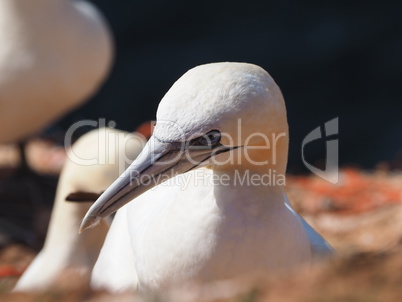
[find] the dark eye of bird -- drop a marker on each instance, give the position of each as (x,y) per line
(211,138)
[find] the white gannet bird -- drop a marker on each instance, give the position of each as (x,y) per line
(221,130)
(54,55)
(94,162)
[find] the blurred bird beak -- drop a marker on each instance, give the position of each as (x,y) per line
(82,196)
(158,162)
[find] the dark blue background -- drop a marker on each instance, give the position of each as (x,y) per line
(334,59)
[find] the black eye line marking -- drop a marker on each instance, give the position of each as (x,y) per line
(195,141)
(216,152)
(209,139)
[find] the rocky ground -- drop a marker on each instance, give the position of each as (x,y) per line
(361,217)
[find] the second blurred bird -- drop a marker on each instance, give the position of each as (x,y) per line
(94,162)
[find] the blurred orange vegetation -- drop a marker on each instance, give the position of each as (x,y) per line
(356,192)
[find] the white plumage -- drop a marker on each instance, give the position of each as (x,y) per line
(203,224)
(54,55)
(93,163)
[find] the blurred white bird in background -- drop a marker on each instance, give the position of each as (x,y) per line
(94,162)
(204,224)
(54,55)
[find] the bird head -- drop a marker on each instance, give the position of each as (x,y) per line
(223,116)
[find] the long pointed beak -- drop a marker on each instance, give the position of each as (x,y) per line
(158,162)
